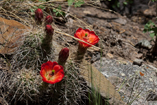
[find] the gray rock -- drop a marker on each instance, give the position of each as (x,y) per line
(115,80)
(121,21)
(138,62)
(95,57)
(145,43)
(139,56)
(112,67)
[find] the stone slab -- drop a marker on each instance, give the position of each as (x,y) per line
(11,35)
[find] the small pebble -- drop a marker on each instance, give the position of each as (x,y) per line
(122,74)
(151,79)
(128,85)
(18,76)
(137,62)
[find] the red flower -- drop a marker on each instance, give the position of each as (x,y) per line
(63,55)
(39,14)
(48,19)
(51,72)
(49,30)
(87,36)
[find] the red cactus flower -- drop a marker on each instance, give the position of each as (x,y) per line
(39,14)
(63,55)
(49,30)
(87,36)
(48,19)
(51,72)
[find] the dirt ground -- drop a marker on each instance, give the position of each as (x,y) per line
(119,35)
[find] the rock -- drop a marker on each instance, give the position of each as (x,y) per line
(139,56)
(115,80)
(87,12)
(109,55)
(95,58)
(138,62)
(145,44)
(11,35)
(122,74)
(105,87)
(121,21)
(150,79)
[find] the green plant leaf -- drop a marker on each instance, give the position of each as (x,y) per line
(41,7)
(54,10)
(79,3)
(59,7)
(35,7)
(32,10)
(155,30)
(125,3)
(70,2)
(152,34)
(57,14)
(118,4)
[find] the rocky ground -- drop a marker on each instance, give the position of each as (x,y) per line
(122,57)
(125,49)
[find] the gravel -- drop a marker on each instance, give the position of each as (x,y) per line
(131,79)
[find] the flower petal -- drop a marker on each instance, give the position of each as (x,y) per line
(57,68)
(46,72)
(91,38)
(48,65)
(79,30)
(56,78)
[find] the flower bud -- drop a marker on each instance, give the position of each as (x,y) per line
(48,19)
(49,30)
(39,15)
(63,55)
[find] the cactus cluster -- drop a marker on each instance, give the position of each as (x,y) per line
(38,79)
